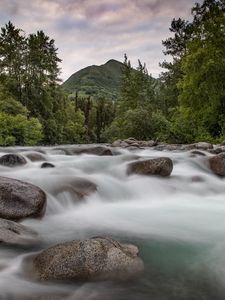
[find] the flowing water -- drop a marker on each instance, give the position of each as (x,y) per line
(177,222)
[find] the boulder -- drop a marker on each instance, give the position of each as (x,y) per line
(98,258)
(217,164)
(35,156)
(96,150)
(47,165)
(12,160)
(162,166)
(16,234)
(20,200)
(116,143)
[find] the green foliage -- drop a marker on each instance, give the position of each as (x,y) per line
(30,91)
(203,85)
(9,105)
(18,130)
(74,129)
(140,124)
(193,88)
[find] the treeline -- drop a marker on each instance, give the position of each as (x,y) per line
(186,104)
(33,107)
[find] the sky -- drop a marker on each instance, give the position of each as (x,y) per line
(91,32)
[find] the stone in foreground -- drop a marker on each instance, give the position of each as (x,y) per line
(19,199)
(16,234)
(217,164)
(12,160)
(162,166)
(98,258)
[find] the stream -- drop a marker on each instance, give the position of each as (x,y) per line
(177,222)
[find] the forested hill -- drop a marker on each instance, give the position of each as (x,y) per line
(104,80)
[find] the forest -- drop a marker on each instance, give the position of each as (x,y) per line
(185,104)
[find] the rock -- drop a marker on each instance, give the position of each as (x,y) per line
(116,143)
(79,186)
(16,234)
(35,156)
(200,146)
(131,148)
(20,200)
(99,258)
(197,178)
(203,146)
(130,141)
(12,160)
(147,143)
(47,165)
(173,147)
(216,150)
(199,153)
(160,147)
(217,164)
(96,150)
(134,145)
(123,144)
(162,166)
(168,147)
(61,151)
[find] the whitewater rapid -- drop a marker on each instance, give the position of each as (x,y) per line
(178,223)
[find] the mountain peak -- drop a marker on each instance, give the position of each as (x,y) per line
(112,61)
(103,80)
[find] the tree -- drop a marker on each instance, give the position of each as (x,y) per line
(203,85)
(12,49)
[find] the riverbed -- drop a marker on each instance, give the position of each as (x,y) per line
(178,223)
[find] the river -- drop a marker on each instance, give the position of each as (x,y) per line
(177,222)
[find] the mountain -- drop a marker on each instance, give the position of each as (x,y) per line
(104,80)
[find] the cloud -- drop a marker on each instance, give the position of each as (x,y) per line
(94,31)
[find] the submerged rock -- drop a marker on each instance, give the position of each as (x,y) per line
(16,234)
(196,152)
(20,199)
(217,164)
(79,186)
(47,165)
(12,160)
(96,150)
(35,156)
(162,166)
(97,258)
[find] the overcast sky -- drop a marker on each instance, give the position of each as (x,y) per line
(88,32)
